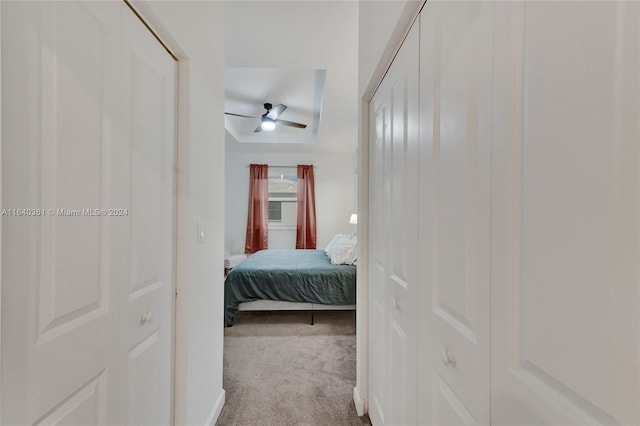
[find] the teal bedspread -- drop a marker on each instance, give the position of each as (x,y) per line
(289,275)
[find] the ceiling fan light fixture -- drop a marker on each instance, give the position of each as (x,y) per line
(269,119)
(267,124)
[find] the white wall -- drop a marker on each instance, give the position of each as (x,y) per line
(310,35)
(377,21)
(335,194)
(313,35)
(194,31)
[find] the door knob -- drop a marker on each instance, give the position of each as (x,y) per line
(447,358)
(146,318)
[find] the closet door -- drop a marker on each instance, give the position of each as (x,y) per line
(88,137)
(566,188)
(394,241)
(146,176)
(455,184)
(60,269)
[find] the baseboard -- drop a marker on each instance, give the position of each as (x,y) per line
(217,409)
(359,402)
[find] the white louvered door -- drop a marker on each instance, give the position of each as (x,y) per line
(88,114)
(394,241)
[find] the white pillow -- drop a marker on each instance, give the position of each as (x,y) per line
(344,251)
(329,247)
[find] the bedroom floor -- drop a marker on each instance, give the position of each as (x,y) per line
(279,370)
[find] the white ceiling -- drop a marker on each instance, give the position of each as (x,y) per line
(299,53)
(300,90)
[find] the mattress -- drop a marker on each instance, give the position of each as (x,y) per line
(233,260)
(291,276)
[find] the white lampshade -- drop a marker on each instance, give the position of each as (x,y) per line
(353,220)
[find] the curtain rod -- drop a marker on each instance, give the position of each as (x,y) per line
(281,167)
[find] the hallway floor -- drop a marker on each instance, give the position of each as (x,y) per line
(279,370)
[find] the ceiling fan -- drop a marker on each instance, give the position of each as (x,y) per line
(269,119)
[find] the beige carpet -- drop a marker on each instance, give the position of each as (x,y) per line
(279,370)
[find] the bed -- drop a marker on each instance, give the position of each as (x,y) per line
(289,279)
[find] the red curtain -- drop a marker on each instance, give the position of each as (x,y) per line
(258,215)
(306,224)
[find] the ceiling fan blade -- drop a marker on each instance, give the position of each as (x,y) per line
(240,115)
(276,111)
(291,124)
(258,129)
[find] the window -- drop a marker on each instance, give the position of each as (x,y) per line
(283,196)
(275,211)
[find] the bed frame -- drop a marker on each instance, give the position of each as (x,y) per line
(277,305)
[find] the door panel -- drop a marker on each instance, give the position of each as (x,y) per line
(379,365)
(450,408)
(87,406)
(92,146)
(379,218)
(566,344)
(144,384)
(393,270)
(149,76)
(59,309)
(146,171)
(74,247)
(455,170)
